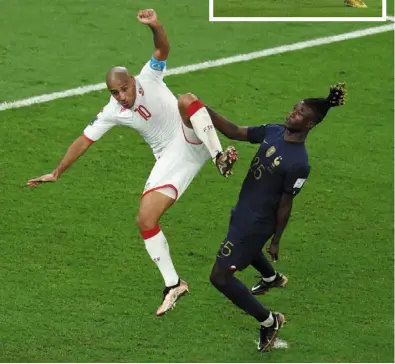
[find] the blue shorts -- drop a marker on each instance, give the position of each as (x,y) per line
(238,253)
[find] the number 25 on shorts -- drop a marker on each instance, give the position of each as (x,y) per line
(226,249)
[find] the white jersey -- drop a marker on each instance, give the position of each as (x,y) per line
(154,115)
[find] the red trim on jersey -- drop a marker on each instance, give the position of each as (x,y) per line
(88,139)
(185,137)
(159,187)
(194,107)
(148,234)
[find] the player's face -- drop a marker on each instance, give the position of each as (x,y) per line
(299,119)
(123,90)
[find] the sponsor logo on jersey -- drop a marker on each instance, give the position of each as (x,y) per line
(92,122)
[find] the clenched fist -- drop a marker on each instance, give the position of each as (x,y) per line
(147,16)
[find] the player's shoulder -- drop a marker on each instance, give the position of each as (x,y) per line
(149,82)
(141,79)
(298,157)
(269,127)
(302,155)
(302,164)
(110,110)
(274,128)
(113,105)
(277,126)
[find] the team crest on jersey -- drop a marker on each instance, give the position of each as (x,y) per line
(270,151)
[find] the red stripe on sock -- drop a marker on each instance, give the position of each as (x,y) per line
(148,234)
(195,106)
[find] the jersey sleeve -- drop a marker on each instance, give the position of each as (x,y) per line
(102,123)
(153,70)
(295,179)
(256,134)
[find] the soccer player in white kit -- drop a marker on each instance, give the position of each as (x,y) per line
(182,138)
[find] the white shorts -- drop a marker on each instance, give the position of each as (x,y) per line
(178,164)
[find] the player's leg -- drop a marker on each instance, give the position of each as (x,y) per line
(195,115)
(152,206)
(229,259)
(269,277)
(223,279)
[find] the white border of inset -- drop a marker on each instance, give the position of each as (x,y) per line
(290,19)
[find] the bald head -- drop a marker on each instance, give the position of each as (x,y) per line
(117,74)
(121,86)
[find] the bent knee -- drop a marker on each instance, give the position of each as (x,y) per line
(185,100)
(217,279)
(144,222)
(213,279)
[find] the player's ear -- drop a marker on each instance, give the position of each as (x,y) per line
(310,124)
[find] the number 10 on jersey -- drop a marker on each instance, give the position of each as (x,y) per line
(143,111)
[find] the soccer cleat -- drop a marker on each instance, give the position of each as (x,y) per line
(262,287)
(171,296)
(225,161)
(267,335)
(355,3)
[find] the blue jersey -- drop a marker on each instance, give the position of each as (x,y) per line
(278,167)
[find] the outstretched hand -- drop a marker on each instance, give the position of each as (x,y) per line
(43,179)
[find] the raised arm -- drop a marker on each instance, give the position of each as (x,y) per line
(227,128)
(161,43)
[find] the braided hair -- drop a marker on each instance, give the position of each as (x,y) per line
(321,106)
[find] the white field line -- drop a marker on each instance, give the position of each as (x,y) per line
(208,64)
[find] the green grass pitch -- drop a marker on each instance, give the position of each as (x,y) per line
(292,8)
(76,282)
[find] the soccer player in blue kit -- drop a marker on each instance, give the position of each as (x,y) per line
(276,175)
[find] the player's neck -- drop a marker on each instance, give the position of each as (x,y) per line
(294,137)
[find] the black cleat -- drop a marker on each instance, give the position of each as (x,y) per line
(267,335)
(262,287)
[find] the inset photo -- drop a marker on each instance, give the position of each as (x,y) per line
(302,10)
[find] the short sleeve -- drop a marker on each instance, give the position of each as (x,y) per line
(102,122)
(153,70)
(295,178)
(256,134)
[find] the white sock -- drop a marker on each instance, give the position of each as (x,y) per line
(159,251)
(270,279)
(204,128)
(269,321)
